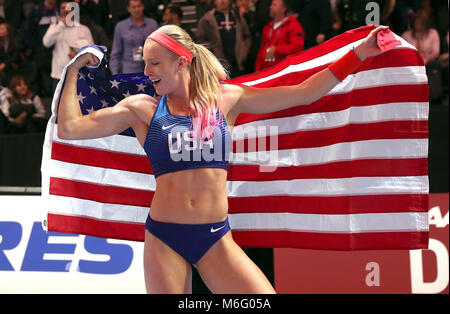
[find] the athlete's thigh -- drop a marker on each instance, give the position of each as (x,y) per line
(165,270)
(225,268)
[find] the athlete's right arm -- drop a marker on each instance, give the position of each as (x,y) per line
(105,122)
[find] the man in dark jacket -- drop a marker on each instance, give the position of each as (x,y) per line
(226,35)
(36,25)
(316,18)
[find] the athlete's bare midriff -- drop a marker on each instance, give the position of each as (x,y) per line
(195,196)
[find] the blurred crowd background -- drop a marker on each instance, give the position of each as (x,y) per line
(38,38)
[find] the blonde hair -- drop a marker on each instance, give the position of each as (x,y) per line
(206,73)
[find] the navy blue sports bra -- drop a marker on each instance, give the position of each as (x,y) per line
(170,145)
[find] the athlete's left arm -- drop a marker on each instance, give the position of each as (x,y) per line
(263,100)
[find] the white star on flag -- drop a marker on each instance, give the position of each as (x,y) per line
(114,83)
(81,97)
(93,90)
(141,87)
(104,103)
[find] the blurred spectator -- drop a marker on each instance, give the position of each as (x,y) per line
(262,15)
(93,15)
(438,14)
(443,58)
(427,42)
(129,39)
(61,35)
(9,54)
(203,6)
(155,8)
(403,14)
(350,14)
(261,18)
(245,13)
(173,14)
(4,111)
(282,36)
(337,20)
(28,5)
(444,61)
(117,11)
(11,12)
(316,18)
(423,37)
(23,108)
(36,26)
(387,8)
(226,36)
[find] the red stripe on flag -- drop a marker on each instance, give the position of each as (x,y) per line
(355,98)
(100,193)
(332,241)
(236,172)
(252,238)
(349,133)
(95,227)
(356,204)
(100,158)
(331,205)
(332,170)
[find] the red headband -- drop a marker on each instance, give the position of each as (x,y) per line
(171,44)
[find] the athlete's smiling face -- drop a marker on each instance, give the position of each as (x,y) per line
(162,67)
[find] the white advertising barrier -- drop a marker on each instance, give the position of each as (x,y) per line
(34,261)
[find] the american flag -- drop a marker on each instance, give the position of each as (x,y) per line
(350,170)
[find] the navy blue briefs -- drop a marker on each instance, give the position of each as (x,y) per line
(190,241)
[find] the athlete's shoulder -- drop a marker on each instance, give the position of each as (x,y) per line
(232,89)
(231,94)
(140,100)
(142,105)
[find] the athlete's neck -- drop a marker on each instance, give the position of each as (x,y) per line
(179,101)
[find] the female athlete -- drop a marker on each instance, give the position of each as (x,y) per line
(188,224)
